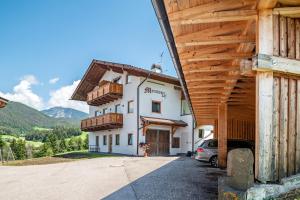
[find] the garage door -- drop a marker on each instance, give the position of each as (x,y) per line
(159,142)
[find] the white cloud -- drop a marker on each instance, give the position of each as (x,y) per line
(23,93)
(53,80)
(61,97)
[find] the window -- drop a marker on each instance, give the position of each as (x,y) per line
(128,78)
(176,142)
(104,111)
(97,113)
(118,108)
(104,140)
(201,133)
(118,80)
(97,141)
(156,107)
(130,107)
(130,139)
(213,144)
(185,110)
(118,139)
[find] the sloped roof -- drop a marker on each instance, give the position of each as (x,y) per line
(98,68)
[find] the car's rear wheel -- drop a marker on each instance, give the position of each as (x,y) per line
(214,161)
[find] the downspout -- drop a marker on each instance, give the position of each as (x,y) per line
(138,114)
(193,132)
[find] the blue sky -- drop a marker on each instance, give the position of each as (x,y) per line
(57,39)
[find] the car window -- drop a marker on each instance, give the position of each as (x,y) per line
(212,144)
(203,144)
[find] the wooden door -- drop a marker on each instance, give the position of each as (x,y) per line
(151,139)
(163,142)
(110,143)
(159,142)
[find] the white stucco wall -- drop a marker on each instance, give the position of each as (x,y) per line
(170,109)
(207,134)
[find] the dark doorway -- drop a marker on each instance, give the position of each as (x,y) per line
(159,141)
(110,143)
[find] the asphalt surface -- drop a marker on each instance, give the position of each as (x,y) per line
(123,178)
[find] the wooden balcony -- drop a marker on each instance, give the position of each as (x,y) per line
(104,93)
(104,122)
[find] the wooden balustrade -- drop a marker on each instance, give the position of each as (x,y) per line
(104,122)
(106,92)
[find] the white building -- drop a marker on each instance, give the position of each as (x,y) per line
(130,106)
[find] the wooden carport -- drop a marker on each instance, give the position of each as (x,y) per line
(237,62)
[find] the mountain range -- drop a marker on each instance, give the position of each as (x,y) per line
(17,118)
(65,113)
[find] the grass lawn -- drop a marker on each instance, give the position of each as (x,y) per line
(59,158)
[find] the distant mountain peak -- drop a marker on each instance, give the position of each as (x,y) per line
(17,118)
(66,113)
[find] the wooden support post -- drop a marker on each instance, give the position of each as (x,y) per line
(264,132)
(222,135)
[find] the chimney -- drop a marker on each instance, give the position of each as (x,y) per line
(156,68)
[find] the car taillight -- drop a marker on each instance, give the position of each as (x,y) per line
(200,150)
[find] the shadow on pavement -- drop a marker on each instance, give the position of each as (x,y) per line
(183,178)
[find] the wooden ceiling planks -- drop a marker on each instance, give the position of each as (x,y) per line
(212,37)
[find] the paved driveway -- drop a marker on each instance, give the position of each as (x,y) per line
(111,178)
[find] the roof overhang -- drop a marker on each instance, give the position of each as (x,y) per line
(161,121)
(98,68)
(208,40)
(161,14)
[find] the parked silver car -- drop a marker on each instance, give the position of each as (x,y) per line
(208,149)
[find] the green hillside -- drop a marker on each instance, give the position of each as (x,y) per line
(17,118)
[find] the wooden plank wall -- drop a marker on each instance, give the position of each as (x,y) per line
(286,127)
(238,129)
(241,129)
(286,32)
(286,104)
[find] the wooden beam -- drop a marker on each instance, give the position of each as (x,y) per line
(220,16)
(230,39)
(216,30)
(219,56)
(279,64)
(213,6)
(219,68)
(289,2)
(222,135)
(266,4)
(264,135)
(265,32)
(293,12)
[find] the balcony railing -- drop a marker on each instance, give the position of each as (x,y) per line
(94,148)
(104,122)
(104,93)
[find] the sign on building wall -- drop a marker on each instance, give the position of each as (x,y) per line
(149,90)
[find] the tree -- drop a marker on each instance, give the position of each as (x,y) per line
(2,143)
(72,144)
(45,150)
(79,143)
(54,143)
(18,147)
(86,142)
(63,146)
(21,149)
(13,147)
